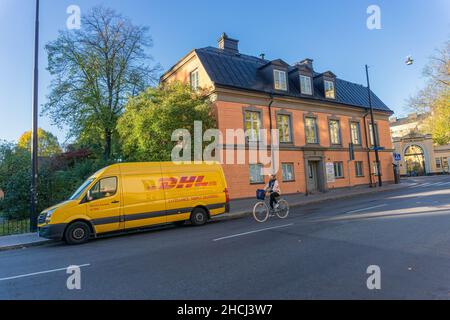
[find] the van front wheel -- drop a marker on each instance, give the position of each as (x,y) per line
(199,217)
(77,233)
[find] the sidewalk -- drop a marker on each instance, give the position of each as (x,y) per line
(244,207)
(239,208)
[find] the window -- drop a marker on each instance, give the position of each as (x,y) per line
(311,130)
(256,173)
(372,141)
(280,80)
(194,80)
(445,163)
(252,125)
(335,134)
(355,133)
(359,169)
(375,168)
(329,89)
(305,85)
(284,127)
(339,169)
(438,163)
(104,188)
(288,172)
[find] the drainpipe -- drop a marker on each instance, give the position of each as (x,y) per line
(368,150)
(270,132)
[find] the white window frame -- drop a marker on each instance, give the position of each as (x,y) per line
(329,87)
(194,80)
(305,85)
(253,131)
(339,142)
(261,176)
(280,80)
(359,165)
(284,124)
(339,173)
(284,167)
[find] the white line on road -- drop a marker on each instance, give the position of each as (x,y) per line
(368,208)
(254,231)
(42,272)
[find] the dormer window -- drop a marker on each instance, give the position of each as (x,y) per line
(329,89)
(305,85)
(280,82)
(194,81)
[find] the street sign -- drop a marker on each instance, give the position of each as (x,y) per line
(397,157)
(378,148)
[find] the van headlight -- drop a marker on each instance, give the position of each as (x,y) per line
(49,215)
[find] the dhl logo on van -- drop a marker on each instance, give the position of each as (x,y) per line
(182,182)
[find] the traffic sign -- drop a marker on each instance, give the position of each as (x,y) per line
(397,157)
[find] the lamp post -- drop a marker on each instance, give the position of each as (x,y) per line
(34,143)
(374,135)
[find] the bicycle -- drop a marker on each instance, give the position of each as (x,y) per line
(262,210)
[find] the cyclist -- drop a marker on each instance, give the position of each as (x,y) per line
(273,188)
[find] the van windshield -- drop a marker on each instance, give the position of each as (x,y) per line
(81,189)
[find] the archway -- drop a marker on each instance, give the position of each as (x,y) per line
(415,161)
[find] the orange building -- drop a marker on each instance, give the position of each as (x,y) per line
(318,115)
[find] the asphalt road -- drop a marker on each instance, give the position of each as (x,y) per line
(321,251)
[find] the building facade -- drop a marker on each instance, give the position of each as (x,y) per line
(419,155)
(316,114)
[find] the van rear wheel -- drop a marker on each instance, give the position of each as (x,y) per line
(199,217)
(77,233)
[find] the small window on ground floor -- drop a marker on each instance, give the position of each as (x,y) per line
(339,169)
(288,172)
(256,175)
(359,169)
(375,169)
(438,163)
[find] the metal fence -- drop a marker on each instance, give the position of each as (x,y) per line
(9,227)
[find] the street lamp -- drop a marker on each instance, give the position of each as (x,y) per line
(34,143)
(374,135)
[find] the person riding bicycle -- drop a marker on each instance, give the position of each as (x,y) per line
(273,188)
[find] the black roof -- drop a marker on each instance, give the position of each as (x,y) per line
(241,71)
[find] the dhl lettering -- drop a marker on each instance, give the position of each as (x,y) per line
(184,182)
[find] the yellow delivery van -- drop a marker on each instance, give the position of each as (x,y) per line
(128,196)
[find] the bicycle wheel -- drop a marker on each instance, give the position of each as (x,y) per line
(283,209)
(261,212)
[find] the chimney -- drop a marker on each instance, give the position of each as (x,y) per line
(307,62)
(227,44)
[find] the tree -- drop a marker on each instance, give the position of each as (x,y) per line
(47,143)
(95,70)
(147,124)
(434,99)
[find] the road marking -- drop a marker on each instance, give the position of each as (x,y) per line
(254,231)
(42,272)
(368,208)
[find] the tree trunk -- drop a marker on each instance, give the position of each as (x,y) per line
(107,151)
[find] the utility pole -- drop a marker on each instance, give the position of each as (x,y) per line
(374,135)
(34,136)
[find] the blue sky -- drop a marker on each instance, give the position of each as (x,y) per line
(333,33)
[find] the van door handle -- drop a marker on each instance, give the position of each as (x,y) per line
(114,202)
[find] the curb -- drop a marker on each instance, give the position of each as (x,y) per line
(25,245)
(242,214)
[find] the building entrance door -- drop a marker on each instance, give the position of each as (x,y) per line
(313,176)
(415,161)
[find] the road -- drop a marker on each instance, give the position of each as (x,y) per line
(321,251)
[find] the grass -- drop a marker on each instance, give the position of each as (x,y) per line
(8,227)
